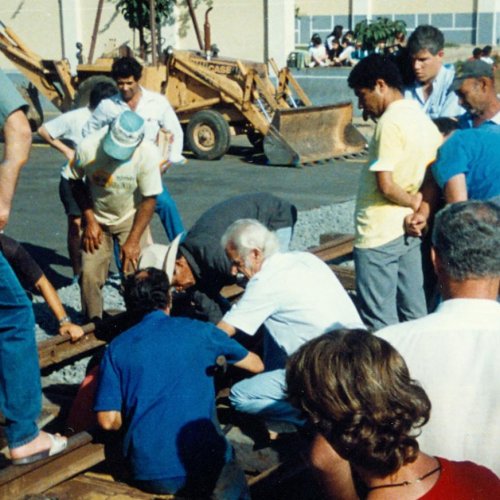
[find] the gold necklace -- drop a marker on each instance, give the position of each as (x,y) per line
(407,483)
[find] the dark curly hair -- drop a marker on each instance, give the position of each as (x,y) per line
(126,67)
(372,68)
(146,290)
(100,91)
(357,391)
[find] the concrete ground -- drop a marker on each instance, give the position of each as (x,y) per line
(39,222)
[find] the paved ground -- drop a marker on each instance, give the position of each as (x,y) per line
(38,218)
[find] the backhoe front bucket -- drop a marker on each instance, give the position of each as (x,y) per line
(309,134)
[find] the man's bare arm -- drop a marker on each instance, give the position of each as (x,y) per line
(130,251)
(109,420)
(44,286)
(17,147)
(92,232)
(251,362)
(395,193)
(226,327)
(455,189)
(68,152)
(416,223)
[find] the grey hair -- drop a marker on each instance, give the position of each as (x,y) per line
(426,37)
(466,237)
(249,234)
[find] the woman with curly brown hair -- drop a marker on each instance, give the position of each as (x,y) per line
(357,392)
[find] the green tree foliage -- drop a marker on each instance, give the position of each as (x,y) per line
(369,33)
(136,13)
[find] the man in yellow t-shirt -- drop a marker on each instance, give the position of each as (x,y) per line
(115,179)
(389,275)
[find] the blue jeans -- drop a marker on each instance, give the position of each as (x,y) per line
(20,389)
(168,214)
(264,395)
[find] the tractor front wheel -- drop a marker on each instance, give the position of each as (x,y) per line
(207,135)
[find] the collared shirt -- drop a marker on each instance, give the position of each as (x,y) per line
(297,297)
(405,142)
(475,153)
(156,111)
(442,102)
(158,375)
(467,120)
(454,354)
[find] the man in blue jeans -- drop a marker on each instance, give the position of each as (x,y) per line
(159,117)
(20,390)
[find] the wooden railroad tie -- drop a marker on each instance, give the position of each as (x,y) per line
(81,454)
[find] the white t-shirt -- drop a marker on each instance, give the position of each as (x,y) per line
(156,111)
(319,53)
(68,126)
(455,355)
(116,187)
(297,297)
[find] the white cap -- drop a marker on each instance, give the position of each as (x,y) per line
(161,257)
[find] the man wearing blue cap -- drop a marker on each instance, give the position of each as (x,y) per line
(162,127)
(116,178)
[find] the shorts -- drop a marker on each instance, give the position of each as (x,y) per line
(67,199)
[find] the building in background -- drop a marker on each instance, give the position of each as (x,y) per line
(475,22)
(245,29)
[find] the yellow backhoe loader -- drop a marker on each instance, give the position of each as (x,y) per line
(214,98)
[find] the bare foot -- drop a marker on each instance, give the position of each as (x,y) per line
(41,443)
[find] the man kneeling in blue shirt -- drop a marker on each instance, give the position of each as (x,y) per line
(154,380)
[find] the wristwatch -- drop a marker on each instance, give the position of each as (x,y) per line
(64,320)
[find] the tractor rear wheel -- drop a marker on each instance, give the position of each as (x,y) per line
(207,135)
(82,95)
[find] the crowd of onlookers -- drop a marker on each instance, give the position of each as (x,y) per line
(343,49)
(427,224)
(483,54)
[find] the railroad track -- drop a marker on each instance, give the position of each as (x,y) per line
(65,476)
(60,349)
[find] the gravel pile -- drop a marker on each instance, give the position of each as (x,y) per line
(311,224)
(337,218)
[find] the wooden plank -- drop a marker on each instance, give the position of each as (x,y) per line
(232,291)
(60,348)
(340,246)
(90,486)
(53,351)
(346,276)
(81,454)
